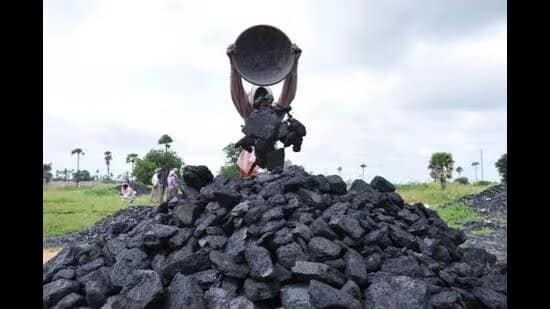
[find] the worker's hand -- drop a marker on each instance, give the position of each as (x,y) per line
(230,50)
(297,51)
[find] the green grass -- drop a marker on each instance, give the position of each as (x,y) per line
(69,209)
(456,215)
(431,193)
(484,231)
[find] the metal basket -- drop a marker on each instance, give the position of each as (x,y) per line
(263,55)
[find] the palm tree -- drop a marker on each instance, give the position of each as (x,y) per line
(363,170)
(459,170)
(47,172)
(475,165)
(108,158)
(97,174)
(339,169)
(441,167)
(131,158)
(78,152)
(65,174)
(165,140)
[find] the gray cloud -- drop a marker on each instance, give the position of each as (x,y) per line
(382,83)
(379,33)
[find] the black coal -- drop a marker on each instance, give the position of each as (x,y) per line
(288,240)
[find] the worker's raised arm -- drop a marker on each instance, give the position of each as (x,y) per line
(238,95)
(291,82)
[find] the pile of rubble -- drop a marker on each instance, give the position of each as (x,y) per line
(119,222)
(289,240)
(489,233)
(493,200)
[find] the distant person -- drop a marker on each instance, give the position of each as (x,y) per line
(128,194)
(156,194)
(163,183)
(172,184)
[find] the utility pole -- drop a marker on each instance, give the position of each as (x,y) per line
(481,164)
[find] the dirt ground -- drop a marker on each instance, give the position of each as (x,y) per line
(47,254)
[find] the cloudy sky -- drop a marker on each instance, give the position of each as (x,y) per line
(384,83)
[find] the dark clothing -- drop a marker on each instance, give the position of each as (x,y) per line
(163,177)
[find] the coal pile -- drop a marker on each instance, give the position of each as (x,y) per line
(493,200)
(122,221)
(491,204)
(288,240)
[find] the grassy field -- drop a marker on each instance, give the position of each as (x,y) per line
(68,209)
(430,194)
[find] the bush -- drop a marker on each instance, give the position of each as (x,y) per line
(482,183)
(501,167)
(462,180)
(83,175)
(144,168)
(230,171)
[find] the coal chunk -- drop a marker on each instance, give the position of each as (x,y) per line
(302,230)
(347,224)
(296,296)
(66,273)
(89,267)
(184,292)
(129,261)
(295,183)
(145,291)
(197,176)
(225,264)
(70,301)
(241,302)
(446,299)
(213,241)
(236,245)
(227,197)
(280,273)
(259,260)
(325,296)
(57,290)
(351,288)
(97,288)
(382,185)
(179,239)
(185,215)
(389,291)
(318,271)
(336,184)
(287,255)
(206,278)
(323,249)
(185,263)
(258,290)
(356,268)
(478,259)
(402,265)
(359,185)
(373,262)
(66,257)
(275,213)
(158,234)
(320,228)
(339,264)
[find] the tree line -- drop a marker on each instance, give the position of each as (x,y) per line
(141,169)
